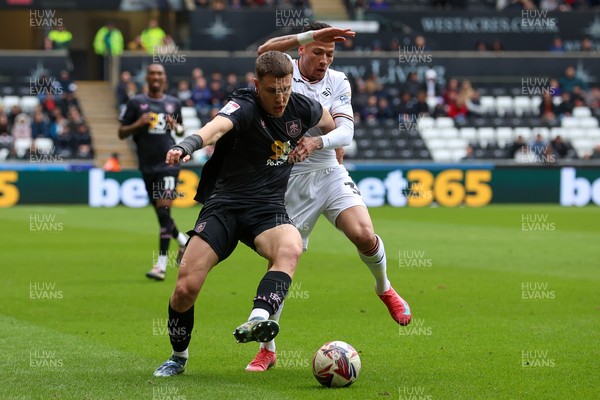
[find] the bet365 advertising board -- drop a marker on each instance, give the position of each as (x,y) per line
(395,185)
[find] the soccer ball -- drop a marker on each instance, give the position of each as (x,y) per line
(336,364)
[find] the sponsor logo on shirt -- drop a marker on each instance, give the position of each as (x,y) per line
(345,99)
(230,108)
(280,153)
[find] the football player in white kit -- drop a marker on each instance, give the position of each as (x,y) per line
(321,184)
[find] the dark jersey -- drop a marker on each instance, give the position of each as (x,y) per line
(249,164)
(154,140)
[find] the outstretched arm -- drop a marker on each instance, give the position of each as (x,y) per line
(205,136)
(289,42)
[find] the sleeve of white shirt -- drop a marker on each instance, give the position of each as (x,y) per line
(341,111)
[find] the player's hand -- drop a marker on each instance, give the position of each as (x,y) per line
(330,35)
(174,157)
(145,119)
(306,145)
(339,155)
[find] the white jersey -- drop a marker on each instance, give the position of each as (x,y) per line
(334,94)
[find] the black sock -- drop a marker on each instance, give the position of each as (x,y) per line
(174,231)
(166,228)
(180,328)
(272,290)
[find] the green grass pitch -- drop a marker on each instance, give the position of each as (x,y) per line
(505,301)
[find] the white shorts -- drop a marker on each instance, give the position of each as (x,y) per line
(327,191)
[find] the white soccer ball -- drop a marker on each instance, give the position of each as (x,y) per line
(336,364)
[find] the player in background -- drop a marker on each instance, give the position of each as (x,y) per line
(321,184)
(150,118)
(257,134)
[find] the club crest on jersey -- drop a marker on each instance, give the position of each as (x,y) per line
(200,227)
(230,108)
(169,108)
(143,106)
(326,92)
(293,128)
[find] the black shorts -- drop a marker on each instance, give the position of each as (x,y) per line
(221,225)
(161,185)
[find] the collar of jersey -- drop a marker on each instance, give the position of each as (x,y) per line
(304,78)
(164,96)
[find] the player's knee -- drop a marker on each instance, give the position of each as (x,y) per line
(363,237)
(185,294)
(290,252)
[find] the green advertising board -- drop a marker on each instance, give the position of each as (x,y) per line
(446,185)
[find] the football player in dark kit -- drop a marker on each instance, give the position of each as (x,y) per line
(150,118)
(258,136)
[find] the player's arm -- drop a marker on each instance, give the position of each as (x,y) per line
(205,136)
(289,42)
(127,130)
(308,144)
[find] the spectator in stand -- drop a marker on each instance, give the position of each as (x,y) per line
(431,86)
(561,148)
(232,84)
(550,5)
(250,80)
(21,129)
(74,118)
(184,94)
(592,98)
(384,111)
(57,126)
(516,146)
(4,127)
(393,45)
(577,96)
(6,145)
(470,155)
(153,36)
(67,85)
(481,46)
(555,87)
(68,101)
(202,96)
(557,45)
(473,104)
(112,164)
(421,43)
(40,126)
(497,45)
(421,106)
(451,90)
(63,142)
(595,155)
(565,108)
(84,152)
(197,73)
(217,94)
(407,104)
(347,45)
(466,90)
(538,145)
(439,111)
(124,80)
(412,85)
(458,110)
(371,110)
(569,80)
(587,45)
(547,108)
(12,115)
(59,38)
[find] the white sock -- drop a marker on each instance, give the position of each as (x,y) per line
(377,266)
(162,262)
(183,354)
(182,239)
(260,313)
(271,344)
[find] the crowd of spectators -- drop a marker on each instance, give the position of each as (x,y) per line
(207,94)
(57,117)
